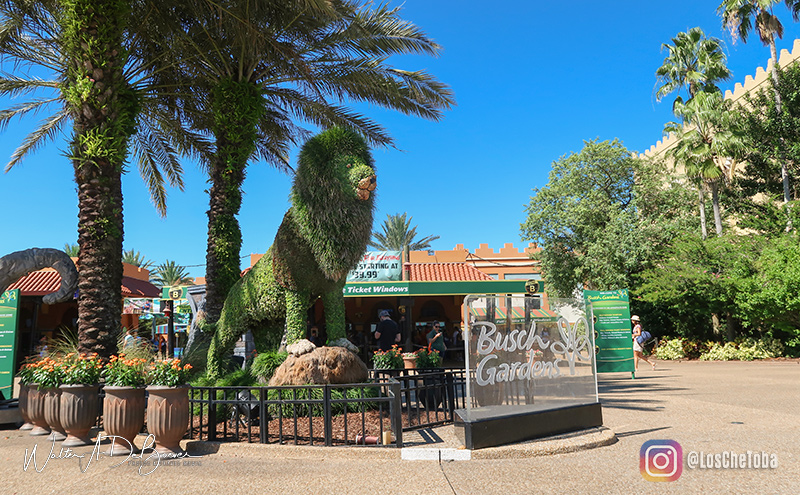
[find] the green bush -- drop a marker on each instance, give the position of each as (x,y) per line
(265,364)
(670,349)
(744,350)
(721,352)
(316,409)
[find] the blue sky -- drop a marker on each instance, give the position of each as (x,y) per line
(532,80)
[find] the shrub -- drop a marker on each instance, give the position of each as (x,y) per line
(81,369)
(168,373)
(388,360)
(720,352)
(744,350)
(428,359)
(265,364)
(670,349)
(316,393)
(123,371)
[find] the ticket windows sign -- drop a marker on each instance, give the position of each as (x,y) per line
(377,266)
(527,377)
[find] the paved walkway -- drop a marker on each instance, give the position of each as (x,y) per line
(706,407)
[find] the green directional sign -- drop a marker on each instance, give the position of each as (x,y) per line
(612,325)
(9,313)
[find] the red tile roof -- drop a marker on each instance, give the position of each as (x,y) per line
(45,281)
(440,272)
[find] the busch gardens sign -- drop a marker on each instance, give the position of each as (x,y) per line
(525,362)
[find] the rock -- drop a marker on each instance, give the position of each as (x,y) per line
(344,343)
(300,347)
(321,365)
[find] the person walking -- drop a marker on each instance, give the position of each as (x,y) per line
(637,347)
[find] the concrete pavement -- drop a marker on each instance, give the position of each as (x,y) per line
(708,407)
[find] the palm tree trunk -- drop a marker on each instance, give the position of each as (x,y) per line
(773,50)
(104,110)
(715,203)
(224,234)
(237,110)
(702,202)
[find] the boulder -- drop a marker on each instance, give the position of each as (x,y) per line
(300,347)
(320,366)
(344,343)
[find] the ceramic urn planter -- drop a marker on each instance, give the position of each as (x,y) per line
(168,416)
(123,417)
(79,410)
(23,407)
(52,414)
(36,399)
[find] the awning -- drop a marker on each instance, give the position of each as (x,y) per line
(455,288)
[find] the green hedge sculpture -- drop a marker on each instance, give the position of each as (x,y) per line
(321,238)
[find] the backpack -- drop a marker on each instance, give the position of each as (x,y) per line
(645,336)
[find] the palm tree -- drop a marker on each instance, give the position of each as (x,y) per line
(398,235)
(693,62)
(91,87)
(740,17)
(170,274)
(136,258)
(708,146)
(71,250)
(258,66)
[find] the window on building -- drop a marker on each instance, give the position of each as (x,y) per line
(523,276)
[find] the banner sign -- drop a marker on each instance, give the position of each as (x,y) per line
(138,306)
(383,266)
(9,314)
(612,326)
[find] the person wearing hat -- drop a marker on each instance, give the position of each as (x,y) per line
(388,333)
(637,348)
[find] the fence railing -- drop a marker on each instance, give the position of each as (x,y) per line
(352,414)
(430,397)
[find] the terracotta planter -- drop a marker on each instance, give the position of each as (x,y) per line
(410,363)
(23,407)
(123,416)
(79,409)
(168,416)
(36,410)
(52,414)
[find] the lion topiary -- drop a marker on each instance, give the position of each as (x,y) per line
(321,238)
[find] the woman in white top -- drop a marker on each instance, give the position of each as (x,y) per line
(637,348)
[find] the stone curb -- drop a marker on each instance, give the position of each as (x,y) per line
(559,444)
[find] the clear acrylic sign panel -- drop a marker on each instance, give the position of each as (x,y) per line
(521,359)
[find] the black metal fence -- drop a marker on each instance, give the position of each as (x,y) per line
(353,414)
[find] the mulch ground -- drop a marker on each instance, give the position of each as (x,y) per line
(310,431)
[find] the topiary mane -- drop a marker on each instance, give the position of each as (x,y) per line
(321,238)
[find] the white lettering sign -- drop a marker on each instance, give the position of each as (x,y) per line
(569,346)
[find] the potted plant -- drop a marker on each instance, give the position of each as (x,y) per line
(410,360)
(25,381)
(124,403)
(80,401)
(168,404)
(46,375)
(388,360)
(427,358)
